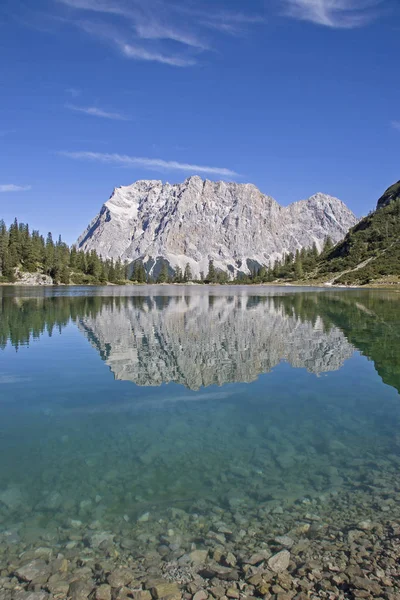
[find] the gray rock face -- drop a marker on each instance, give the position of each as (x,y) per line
(198,220)
(391,195)
(23,278)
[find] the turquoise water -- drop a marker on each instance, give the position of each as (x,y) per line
(127,409)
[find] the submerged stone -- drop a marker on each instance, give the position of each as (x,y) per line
(37,571)
(103,592)
(80,590)
(279,562)
(120,578)
(166,590)
(198,557)
(12,498)
(284,540)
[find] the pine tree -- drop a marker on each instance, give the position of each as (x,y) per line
(111,272)
(328,245)
(262,273)
(126,270)
(178,277)
(142,273)
(139,272)
(65,275)
(49,255)
(36,251)
(163,275)
(298,266)
(187,276)
(3,247)
(93,265)
(103,273)
(81,262)
(30,252)
(212,274)
(119,271)
(73,256)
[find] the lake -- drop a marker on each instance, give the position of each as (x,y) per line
(173,429)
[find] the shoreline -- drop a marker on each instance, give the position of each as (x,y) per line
(394,286)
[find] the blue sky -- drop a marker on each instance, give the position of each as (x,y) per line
(295,96)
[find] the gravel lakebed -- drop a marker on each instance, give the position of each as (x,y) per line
(344,544)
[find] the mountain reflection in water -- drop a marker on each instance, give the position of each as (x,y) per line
(202,339)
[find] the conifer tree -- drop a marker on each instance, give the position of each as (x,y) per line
(328,244)
(187,276)
(212,274)
(298,266)
(30,252)
(163,275)
(178,277)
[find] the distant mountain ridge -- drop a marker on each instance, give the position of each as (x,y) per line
(233,224)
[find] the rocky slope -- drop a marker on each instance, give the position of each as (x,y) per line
(234,224)
(201,341)
(370,252)
(391,194)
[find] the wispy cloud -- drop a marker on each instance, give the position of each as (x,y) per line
(162,31)
(155,164)
(228,22)
(341,14)
(74,92)
(11,187)
(142,54)
(396,125)
(96,112)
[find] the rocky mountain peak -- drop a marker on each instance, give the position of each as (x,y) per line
(234,224)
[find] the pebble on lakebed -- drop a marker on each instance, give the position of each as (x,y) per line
(341,547)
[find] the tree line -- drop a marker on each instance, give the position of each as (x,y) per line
(23,250)
(292,267)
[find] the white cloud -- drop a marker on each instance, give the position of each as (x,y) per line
(233,23)
(96,112)
(144,30)
(142,54)
(155,31)
(96,6)
(11,187)
(155,164)
(396,125)
(341,14)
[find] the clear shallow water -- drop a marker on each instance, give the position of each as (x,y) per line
(230,404)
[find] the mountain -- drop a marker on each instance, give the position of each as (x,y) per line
(371,250)
(391,195)
(234,224)
(200,340)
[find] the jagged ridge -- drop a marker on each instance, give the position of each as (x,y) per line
(234,224)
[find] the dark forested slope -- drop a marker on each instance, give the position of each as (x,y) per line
(371,250)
